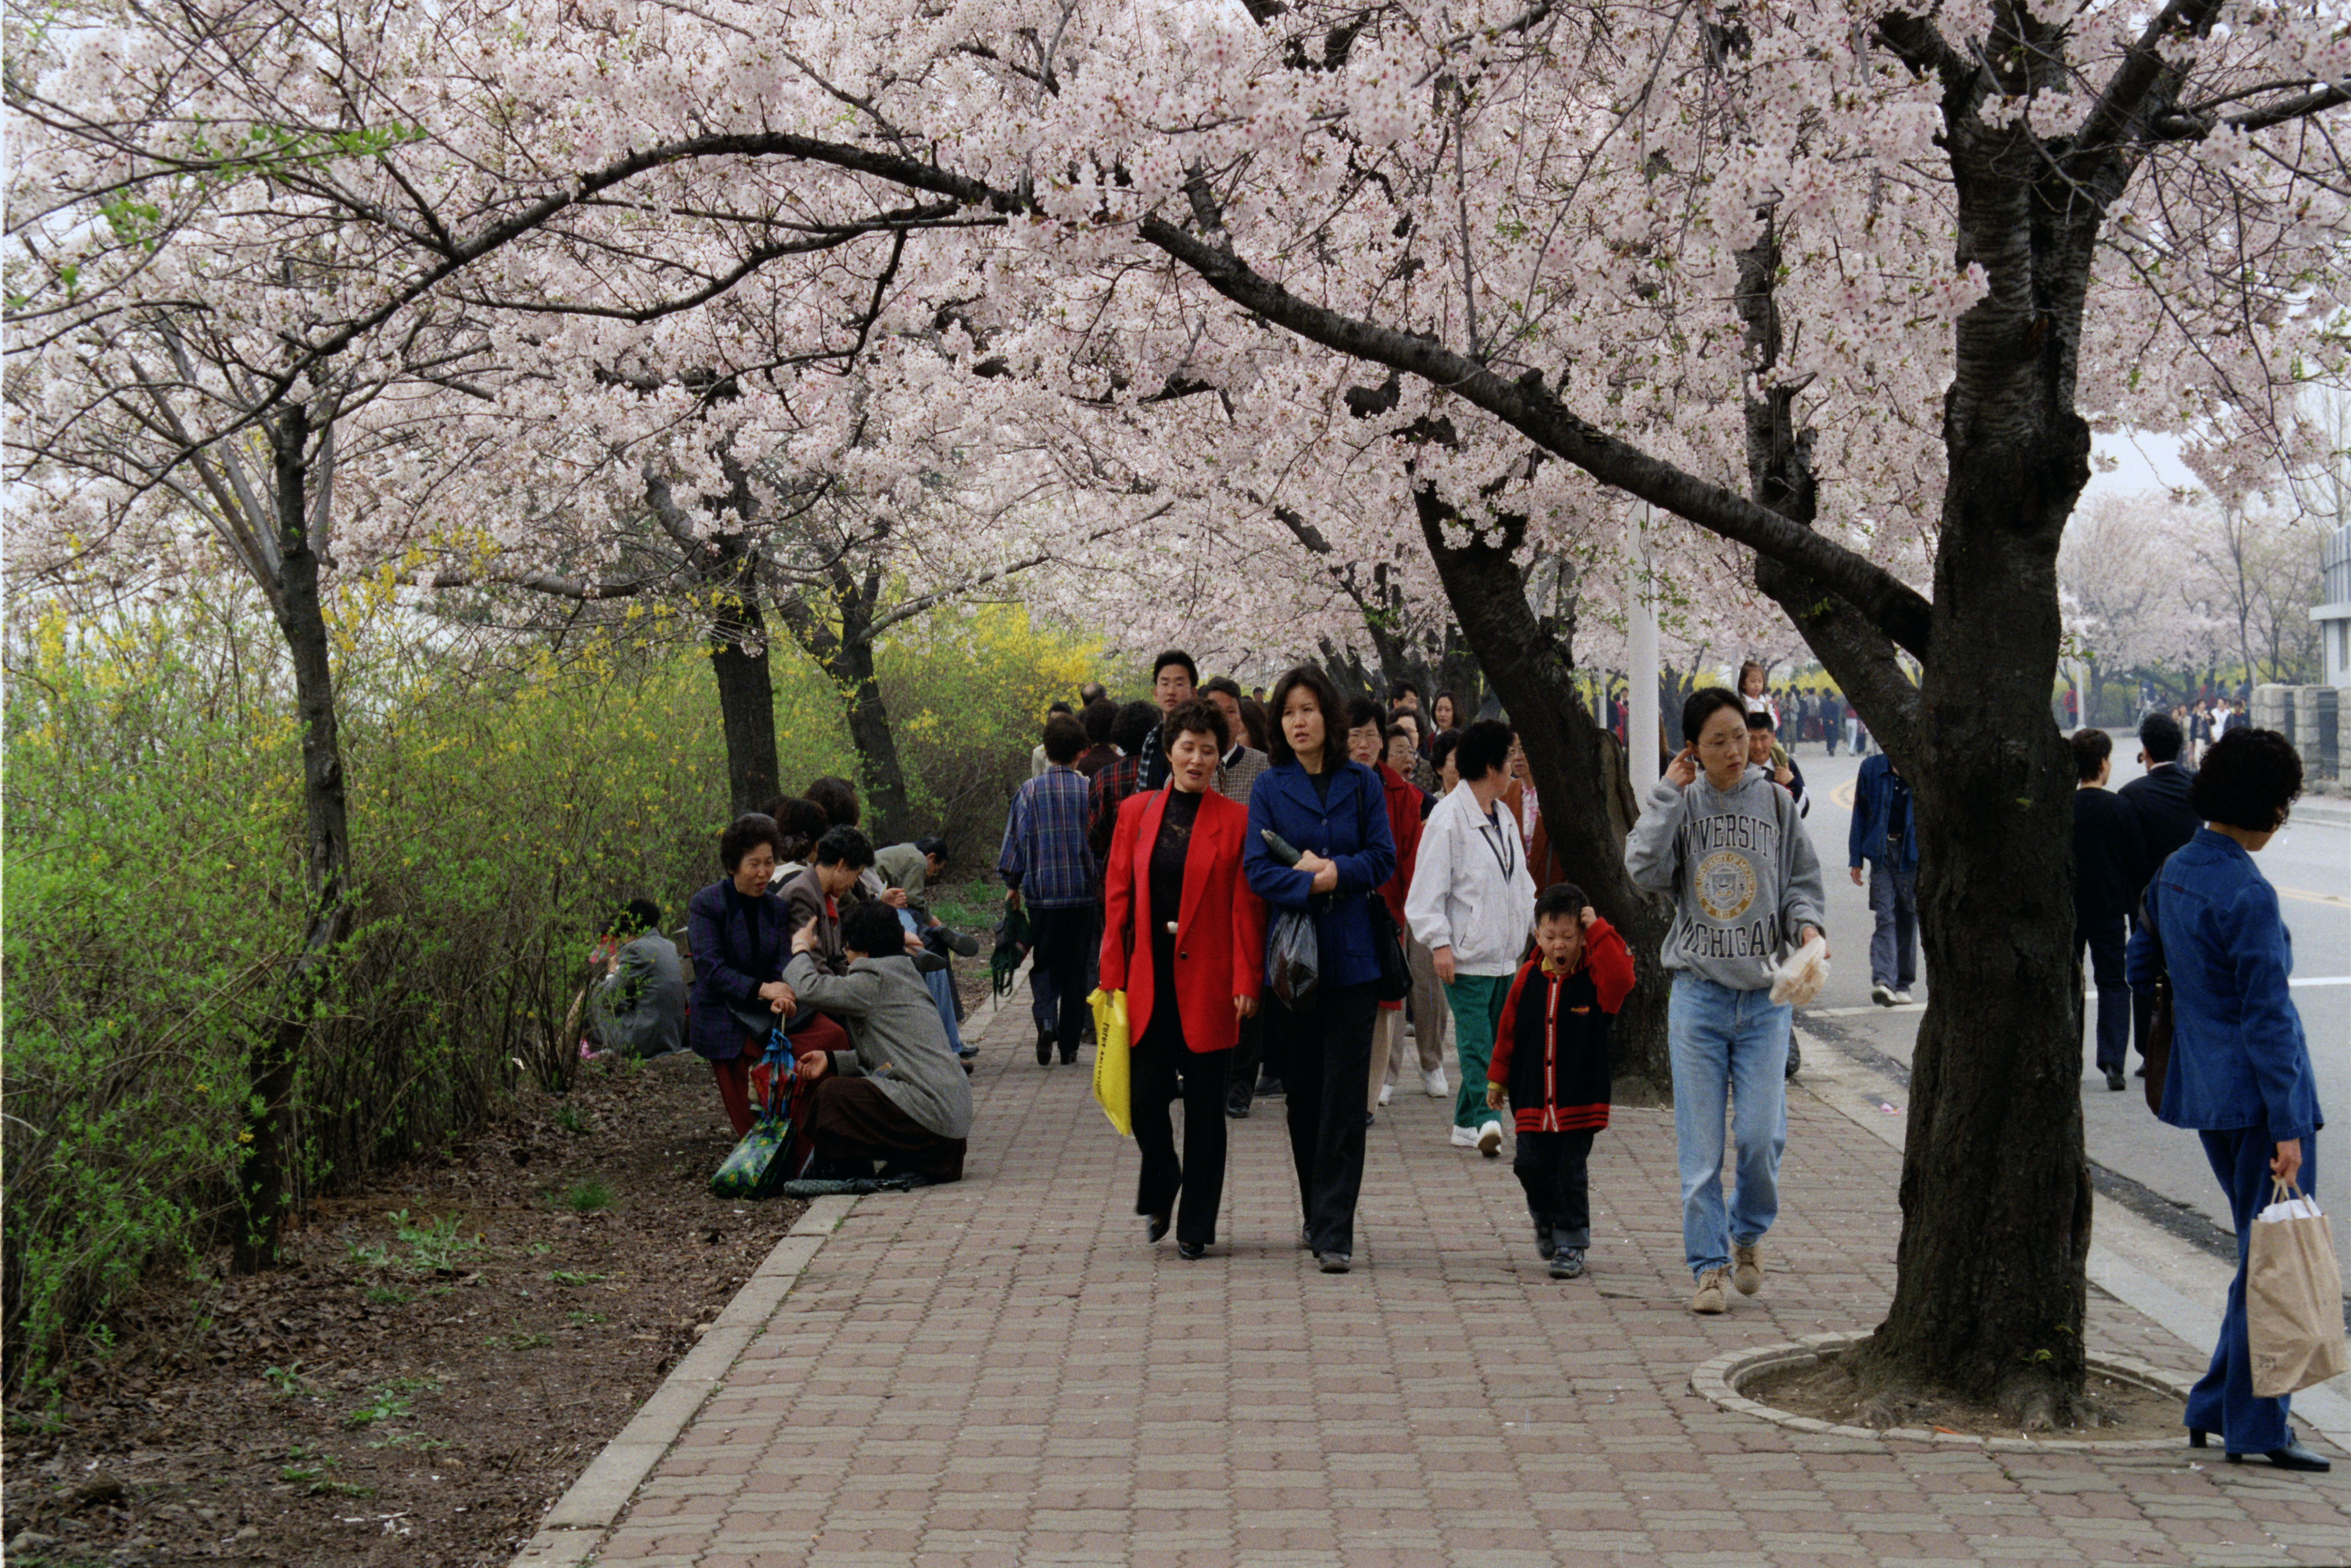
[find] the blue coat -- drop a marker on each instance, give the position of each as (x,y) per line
(1352,830)
(1872,798)
(2238,1056)
(733,955)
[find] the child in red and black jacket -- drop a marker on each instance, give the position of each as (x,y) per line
(1551,1065)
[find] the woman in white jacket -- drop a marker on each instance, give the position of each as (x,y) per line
(1472,905)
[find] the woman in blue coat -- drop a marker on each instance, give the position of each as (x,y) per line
(2240,1074)
(1335,811)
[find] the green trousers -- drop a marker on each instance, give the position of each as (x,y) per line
(1477,1002)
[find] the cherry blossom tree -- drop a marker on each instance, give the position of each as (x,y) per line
(1842,287)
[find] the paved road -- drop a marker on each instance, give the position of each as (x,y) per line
(2310,864)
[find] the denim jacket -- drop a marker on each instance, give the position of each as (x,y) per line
(2237,1057)
(1352,830)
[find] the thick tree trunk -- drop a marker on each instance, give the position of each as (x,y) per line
(275,1054)
(1579,774)
(889,813)
(747,698)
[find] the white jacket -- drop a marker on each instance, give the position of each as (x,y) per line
(1471,890)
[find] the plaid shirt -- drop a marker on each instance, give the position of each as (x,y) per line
(1112,785)
(1045,856)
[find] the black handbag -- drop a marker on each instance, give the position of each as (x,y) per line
(1395,983)
(2155,1049)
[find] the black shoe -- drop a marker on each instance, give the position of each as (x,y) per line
(1340,1263)
(1269,1087)
(2114,1078)
(1567,1263)
(1545,1243)
(2293,1457)
(2140,1070)
(1370,1120)
(1069,1056)
(1154,1226)
(1236,1110)
(1191,1251)
(1796,1061)
(1305,1239)
(1044,1048)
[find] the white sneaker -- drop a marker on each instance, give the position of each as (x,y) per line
(1466,1137)
(1489,1139)
(1434,1081)
(1386,1090)
(1902,999)
(1882,993)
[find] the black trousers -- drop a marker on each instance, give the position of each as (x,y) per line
(2104,938)
(1553,1168)
(1063,937)
(1242,1068)
(1160,1059)
(1326,1061)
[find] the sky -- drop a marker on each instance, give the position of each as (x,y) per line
(2143,462)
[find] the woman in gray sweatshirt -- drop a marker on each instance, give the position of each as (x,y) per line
(1726,844)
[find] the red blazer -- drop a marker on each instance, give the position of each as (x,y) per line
(1219,931)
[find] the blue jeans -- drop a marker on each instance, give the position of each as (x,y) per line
(942,988)
(1894,939)
(2223,1400)
(1730,1049)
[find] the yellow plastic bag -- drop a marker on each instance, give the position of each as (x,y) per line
(1111,1066)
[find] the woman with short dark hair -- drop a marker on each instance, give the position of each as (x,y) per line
(2240,1074)
(739,934)
(1335,812)
(838,798)
(1185,938)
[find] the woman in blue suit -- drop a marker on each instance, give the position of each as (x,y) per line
(2240,1074)
(1335,811)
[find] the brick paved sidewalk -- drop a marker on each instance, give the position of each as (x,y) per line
(1001,1372)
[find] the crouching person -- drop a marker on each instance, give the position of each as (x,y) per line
(899,1095)
(1551,1065)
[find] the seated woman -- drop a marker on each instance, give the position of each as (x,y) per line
(898,1095)
(640,1008)
(1184,937)
(740,932)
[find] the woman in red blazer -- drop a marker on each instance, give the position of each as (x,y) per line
(1184,937)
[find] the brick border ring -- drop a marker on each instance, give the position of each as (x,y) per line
(1719,1380)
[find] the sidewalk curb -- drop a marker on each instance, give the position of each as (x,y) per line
(571,1531)
(2172,1282)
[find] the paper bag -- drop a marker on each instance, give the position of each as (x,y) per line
(2293,1296)
(1111,1069)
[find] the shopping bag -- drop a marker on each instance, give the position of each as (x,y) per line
(762,1161)
(1293,960)
(2293,1296)
(1113,1071)
(1800,979)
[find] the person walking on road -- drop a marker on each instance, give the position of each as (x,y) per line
(1334,813)
(1174,680)
(1724,843)
(1473,905)
(2106,858)
(1049,869)
(2240,1074)
(1184,937)
(2166,820)
(1884,832)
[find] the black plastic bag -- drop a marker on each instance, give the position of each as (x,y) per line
(1293,960)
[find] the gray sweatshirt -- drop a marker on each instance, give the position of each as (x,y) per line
(1741,869)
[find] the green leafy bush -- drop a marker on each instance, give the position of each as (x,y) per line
(506,797)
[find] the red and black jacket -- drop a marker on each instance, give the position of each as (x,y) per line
(1551,1050)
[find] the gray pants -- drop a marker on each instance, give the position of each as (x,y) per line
(1430,1013)
(1893,944)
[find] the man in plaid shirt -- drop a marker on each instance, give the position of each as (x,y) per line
(1050,869)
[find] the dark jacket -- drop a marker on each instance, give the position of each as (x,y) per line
(1551,1051)
(1873,802)
(2166,820)
(2237,1055)
(1351,828)
(2108,856)
(735,951)
(805,900)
